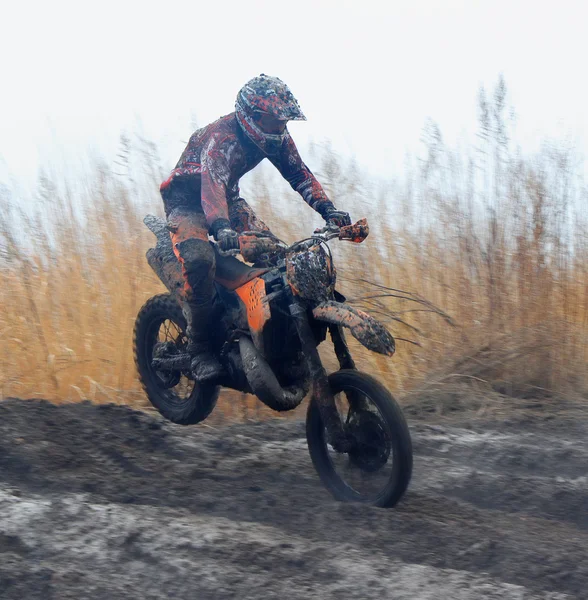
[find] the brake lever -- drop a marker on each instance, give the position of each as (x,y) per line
(327,229)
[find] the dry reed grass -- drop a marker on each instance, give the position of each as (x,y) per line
(495,239)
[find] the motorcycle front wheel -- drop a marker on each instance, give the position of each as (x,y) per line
(378,467)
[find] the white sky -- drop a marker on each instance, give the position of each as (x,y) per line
(367,73)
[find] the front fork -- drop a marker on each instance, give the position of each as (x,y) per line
(357,401)
(321,390)
(341,349)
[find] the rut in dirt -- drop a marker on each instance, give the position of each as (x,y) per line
(507,501)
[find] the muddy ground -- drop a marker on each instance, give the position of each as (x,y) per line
(104,502)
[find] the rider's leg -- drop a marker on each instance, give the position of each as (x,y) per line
(193,250)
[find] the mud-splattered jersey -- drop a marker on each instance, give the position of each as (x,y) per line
(216,157)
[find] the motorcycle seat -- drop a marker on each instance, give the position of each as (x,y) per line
(231,273)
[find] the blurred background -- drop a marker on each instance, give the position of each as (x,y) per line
(457,128)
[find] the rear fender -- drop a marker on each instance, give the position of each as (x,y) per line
(364,328)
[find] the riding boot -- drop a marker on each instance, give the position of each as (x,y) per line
(189,234)
(204,365)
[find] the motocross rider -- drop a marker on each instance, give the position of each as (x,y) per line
(201,196)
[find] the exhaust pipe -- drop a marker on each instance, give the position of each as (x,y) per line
(263,381)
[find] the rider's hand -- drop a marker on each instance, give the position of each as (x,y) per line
(338,218)
(227,239)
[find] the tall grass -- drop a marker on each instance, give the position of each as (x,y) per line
(493,238)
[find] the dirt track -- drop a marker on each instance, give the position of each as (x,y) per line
(104,502)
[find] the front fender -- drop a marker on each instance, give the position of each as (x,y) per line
(364,328)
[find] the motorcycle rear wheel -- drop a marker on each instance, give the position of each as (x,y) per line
(181,404)
(378,470)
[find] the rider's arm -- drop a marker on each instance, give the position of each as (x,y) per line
(300,177)
(215,175)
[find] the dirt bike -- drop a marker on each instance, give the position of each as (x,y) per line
(270,319)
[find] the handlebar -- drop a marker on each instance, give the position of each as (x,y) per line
(356,233)
(353,233)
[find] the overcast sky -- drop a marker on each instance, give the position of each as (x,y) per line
(367,73)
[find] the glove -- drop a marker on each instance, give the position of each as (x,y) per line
(227,239)
(338,218)
(332,216)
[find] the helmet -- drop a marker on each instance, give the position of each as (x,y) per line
(270,96)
